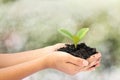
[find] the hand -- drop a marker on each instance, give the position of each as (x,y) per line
(65,62)
(62,61)
(94,61)
(51,49)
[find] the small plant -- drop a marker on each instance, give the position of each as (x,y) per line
(76,38)
(78,50)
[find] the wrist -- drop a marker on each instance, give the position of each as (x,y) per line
(43,62)
(49,61)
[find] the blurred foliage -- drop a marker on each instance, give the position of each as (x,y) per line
(6,1)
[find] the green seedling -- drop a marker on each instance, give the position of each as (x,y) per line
(76,38)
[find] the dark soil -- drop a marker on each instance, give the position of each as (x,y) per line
(82,50)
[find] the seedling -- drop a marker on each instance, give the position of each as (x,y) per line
(78,50)
(76,38)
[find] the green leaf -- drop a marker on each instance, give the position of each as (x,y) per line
(75,38)
(82,33)
(66,33)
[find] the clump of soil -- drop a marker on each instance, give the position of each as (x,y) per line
(82,50)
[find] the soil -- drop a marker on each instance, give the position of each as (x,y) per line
(82,50)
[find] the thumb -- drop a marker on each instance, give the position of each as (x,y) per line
(77,61)
(59,45)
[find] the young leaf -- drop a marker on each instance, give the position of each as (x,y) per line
(75,38)
(66,33)
(82,32)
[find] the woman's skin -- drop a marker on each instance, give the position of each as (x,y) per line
(20,65)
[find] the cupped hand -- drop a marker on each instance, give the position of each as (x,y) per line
(53,48)
(65,62)
(94,62)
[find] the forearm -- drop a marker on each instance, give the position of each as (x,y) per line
(17,72)
(16,58)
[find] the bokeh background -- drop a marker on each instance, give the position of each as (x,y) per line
(33,24)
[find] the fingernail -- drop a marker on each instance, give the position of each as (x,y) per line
(85,63)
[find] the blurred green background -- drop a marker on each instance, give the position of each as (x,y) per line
(33,24)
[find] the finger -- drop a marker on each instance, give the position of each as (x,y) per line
(59,45)
(91,69)
(77,61)
(93,63)
(98,55)
(94,58)
(73,69)
(95,66)
(91,66)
